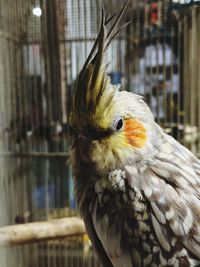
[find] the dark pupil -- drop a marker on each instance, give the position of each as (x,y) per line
(119,125)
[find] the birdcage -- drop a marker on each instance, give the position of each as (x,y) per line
(164,66)
(43,45)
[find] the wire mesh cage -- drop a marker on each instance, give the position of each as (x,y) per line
(164,38)
(43,45)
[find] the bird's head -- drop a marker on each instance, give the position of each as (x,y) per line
(111,127)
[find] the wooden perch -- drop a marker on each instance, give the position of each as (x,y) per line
(41,231)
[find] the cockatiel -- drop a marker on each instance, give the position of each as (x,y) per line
(137,188)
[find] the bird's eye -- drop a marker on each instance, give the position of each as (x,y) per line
(118,124)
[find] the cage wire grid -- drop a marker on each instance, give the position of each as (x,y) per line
(40,58)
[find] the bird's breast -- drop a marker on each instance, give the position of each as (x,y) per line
(121,221)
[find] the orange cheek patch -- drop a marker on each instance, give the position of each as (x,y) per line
(135,133)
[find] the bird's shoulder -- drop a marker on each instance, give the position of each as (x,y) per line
(170,183)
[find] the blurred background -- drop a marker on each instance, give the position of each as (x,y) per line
(43,45)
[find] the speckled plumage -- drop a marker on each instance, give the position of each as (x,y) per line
(137,188)
(148,213)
